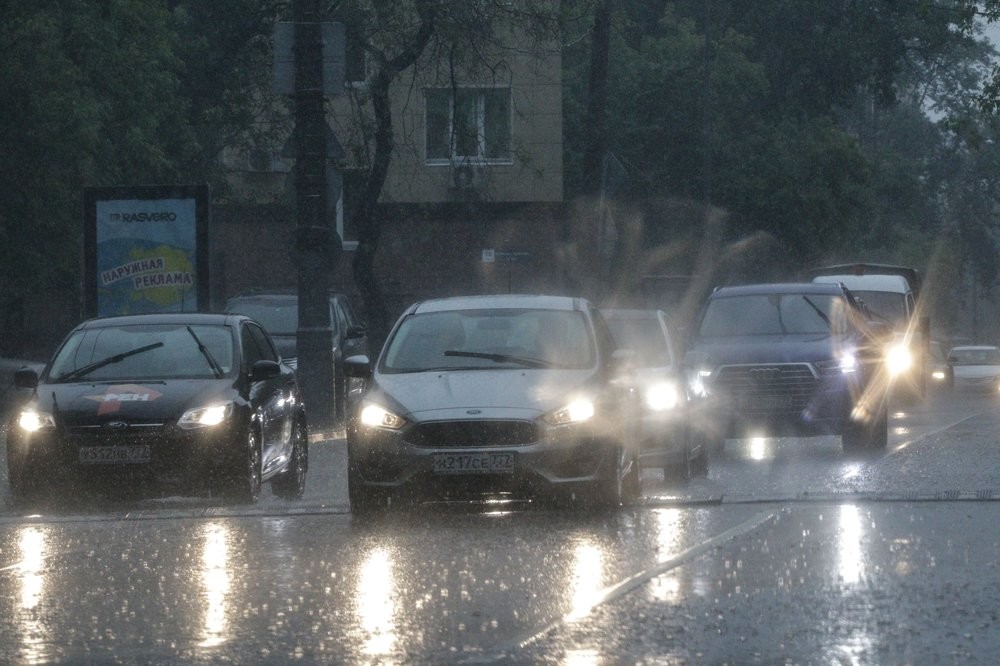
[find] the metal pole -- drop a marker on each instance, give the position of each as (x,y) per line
(313,239)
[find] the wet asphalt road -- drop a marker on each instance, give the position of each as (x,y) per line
(788,552)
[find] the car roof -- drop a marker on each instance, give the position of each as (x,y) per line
(502,301)
(202,318)
(892,283)
(778,288)
(974,347)
(274,295)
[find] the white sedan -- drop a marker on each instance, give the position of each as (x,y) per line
(976,367)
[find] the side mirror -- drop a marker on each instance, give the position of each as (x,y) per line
(359,367)
(354,332)
(25,378)
(264,369)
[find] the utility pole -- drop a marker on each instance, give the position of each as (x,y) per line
(314,238)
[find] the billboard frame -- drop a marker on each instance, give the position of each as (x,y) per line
(93,196)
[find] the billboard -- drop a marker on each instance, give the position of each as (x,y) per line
(146,249)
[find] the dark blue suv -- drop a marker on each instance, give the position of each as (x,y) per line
(788,360)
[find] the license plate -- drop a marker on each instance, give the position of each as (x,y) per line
(114,455)
(765,402)
(487,462)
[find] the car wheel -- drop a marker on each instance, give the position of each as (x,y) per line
(291,483)
(244,483)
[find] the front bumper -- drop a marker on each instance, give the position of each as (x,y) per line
(452,460)
(164,454)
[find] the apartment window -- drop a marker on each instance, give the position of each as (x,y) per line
(468,124)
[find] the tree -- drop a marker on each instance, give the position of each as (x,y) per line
(451,39)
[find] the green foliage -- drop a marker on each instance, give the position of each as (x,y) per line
(117,92)
(806,120)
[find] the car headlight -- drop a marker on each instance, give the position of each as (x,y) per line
(898,358)
(31,420)
(662,396)
(206,417)
(376,416)
(939,375)
(577,411)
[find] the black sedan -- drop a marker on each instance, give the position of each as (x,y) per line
(197,400)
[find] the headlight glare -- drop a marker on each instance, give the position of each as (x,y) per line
(31,420)
(376,416)
(662,396)
(574,412)
(898,358)
(205,417)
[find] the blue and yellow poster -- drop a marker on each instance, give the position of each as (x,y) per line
(146,250)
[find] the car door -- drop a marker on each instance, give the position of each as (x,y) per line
(271,398)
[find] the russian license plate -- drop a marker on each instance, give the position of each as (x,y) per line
(114,455)
(486,462)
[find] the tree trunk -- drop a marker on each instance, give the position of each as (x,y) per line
(366,212)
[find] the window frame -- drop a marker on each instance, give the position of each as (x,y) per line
(481,117)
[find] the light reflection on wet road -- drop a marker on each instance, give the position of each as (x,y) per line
(779,553)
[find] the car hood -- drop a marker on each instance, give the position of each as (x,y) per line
(83,403)
(517,394)
(769,349)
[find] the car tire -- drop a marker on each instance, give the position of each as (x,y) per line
(291,483)
(245,478)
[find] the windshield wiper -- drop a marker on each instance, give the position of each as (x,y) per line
(90,367)
(216,368)
(501,358)
(822,315)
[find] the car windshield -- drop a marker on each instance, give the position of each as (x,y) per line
(887,305)
(644,336)
(986,356)
(490,339)
(278,317)
(144,352)
(773,314)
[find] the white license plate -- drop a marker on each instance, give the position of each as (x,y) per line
(113,455)
(487,462)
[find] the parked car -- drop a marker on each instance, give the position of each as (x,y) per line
(195,400)
(667,441)
(278,311)
(940,373)
(789,360)
(976,367)
(510,394)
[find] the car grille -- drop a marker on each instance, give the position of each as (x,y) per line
(472,434)
(762,388)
